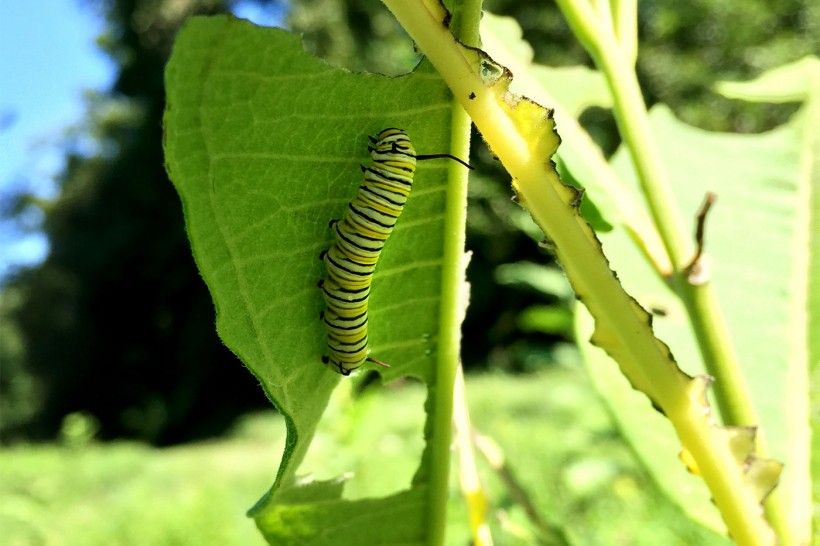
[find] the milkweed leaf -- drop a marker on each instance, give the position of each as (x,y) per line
(758,239)
(263,143)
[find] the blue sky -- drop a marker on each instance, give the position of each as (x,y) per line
(49,59)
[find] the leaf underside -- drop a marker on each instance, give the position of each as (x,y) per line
(264,143)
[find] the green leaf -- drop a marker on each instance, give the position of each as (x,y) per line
(548,281)
(313,514)
(263,143)
(758,238)
(793,82)
(550,319)
(800,81)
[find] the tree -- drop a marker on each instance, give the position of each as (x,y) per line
(116,322)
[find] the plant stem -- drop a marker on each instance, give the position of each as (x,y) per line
(474,496)
(449,346)
(451,313)
(625,15)
(520,134)
(549,533)
(633,124)
(630,112)
(731,391)
(466,21)
(713,338)
(453,303)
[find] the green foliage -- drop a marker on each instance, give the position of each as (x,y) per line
(726,40)
(128,494)
(117,322)
(758,238)
(218,192)
(18,389)
(550,282)
(229,123)
(263,143)
(684,48)
(256,211)
(71,306)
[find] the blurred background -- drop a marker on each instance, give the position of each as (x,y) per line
(106,329)
(102,310)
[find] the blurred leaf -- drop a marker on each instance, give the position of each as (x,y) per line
(649,432)
(549,319)
(793,82)
(575,88)
(324,518)
(758,238)
(547,280)
(263,144)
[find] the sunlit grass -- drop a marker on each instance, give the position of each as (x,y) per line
(556,436)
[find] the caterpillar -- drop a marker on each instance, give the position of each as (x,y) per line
(359,238)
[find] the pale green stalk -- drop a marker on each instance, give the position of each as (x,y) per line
(630,112)
(625,15)
(549,534)
(478,506)
(453,301)
(449,337)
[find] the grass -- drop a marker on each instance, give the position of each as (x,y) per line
(557,437)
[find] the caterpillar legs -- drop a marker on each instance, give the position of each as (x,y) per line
(343,371)
(339,368)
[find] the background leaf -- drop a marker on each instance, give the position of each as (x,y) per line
(756,237)
(263,145)
(793,82)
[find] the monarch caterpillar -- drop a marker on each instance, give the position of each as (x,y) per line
(359,238)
